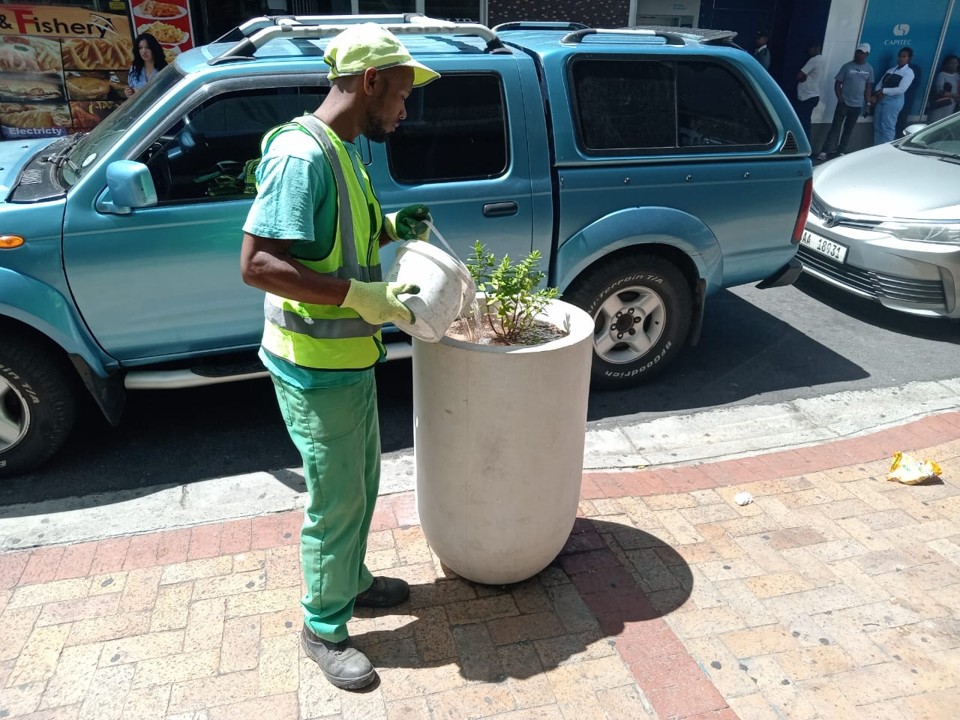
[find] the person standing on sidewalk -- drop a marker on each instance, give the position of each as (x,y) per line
(853,86)
(311,241)
(808,87)
(762,52)
(946,90)
(903,117)
(888,97)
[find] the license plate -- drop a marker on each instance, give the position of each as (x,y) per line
(819,244)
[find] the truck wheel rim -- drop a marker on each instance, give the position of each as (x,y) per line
(628,324)
(14,416)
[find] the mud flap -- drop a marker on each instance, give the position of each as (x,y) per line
(700,304)
(784,276)
(109,392)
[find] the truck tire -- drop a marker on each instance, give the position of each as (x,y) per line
(38,404)
(642,309)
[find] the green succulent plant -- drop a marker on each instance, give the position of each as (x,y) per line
(513,293)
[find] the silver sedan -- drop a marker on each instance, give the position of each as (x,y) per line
(885,222)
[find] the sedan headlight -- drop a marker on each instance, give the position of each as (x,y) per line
(934,232)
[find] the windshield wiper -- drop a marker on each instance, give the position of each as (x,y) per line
(932,152)
(67,146)
(65,158)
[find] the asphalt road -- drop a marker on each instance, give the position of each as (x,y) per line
(757,347)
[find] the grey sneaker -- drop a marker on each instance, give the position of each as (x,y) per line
(344,666)
(385,592)
(822,156)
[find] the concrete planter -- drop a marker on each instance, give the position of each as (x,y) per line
(498,438)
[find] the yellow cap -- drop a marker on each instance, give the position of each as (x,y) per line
(368,45)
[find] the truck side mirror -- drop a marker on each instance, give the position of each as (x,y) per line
(129,186)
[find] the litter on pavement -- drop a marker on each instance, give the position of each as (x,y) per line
(908,470)
(743,498)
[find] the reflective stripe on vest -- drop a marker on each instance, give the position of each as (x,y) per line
(328,336)
(318,328)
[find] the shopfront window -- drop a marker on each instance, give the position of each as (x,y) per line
(462,10)
(386,7)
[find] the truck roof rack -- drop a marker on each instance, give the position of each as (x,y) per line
(259,23)
(540,25)
(257,32)
(672,35)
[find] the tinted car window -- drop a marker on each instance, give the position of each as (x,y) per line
(204,154)
(715,107)
(625,104)
(456,129)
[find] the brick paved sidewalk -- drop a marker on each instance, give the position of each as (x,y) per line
(834,594)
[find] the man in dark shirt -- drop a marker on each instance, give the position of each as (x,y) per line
(762,53)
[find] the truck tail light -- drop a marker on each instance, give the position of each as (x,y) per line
(804,210)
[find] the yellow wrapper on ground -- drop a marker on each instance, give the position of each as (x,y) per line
(908,470)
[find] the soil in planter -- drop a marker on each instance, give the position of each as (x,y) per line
(538,333)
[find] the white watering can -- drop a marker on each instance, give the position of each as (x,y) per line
(446,287)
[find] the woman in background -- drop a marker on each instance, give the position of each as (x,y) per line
(946,86)
(147,62)
(888,97)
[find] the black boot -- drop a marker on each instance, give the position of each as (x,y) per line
(385,592)
(344,666)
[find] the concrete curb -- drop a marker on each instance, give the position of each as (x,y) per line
(706,436)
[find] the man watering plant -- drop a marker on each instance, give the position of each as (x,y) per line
(311,241)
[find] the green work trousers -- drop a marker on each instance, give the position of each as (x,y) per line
(337,432)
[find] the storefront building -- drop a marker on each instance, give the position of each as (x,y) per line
(930,27)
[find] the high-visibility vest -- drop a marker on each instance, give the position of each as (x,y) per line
(328,337)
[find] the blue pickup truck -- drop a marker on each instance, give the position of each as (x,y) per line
(651,167)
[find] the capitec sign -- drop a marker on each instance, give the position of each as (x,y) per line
(62,69)
(917,25)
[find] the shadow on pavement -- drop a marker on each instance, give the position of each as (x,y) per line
(576,606)
(875,314)
(166,438)
(743,352)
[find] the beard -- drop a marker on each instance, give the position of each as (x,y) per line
(373,128)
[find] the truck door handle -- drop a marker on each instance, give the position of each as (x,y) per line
(500,209)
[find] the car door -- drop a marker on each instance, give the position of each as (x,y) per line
(164,281)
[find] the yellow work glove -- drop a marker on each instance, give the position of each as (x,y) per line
(377,302)
(408,224)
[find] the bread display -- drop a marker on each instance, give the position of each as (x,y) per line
(87,87)
(25,88)
(19,115)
